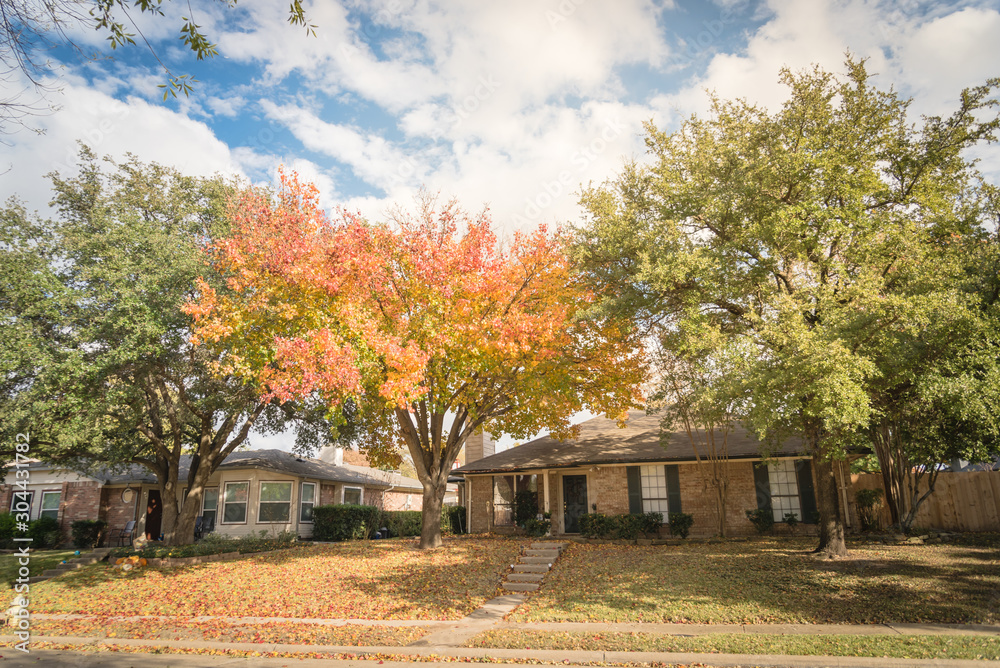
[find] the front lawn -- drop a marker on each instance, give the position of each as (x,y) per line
(39,560)
(768,581)
(289,633)
(388,579)
(903,647)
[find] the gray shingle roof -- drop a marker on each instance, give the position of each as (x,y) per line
(601,441)
(273,460)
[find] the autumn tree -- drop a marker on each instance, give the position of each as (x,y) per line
(792,231)
(95,353)
(426,323)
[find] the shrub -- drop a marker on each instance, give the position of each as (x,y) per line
(45,532)
(869,502)
(7,525)
(680,524)
(762,519)
(87,533)
(536,527)
(621,527)
(792,520)
(345,522)
(401,522)
(650,523)
(455,522)
(213,543)
(525,507)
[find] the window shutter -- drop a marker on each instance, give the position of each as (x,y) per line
(634,489)
(763,484)
(807,493)
(673,488)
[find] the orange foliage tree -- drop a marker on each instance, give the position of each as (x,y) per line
(426,325)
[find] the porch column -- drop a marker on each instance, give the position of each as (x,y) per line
(545,490)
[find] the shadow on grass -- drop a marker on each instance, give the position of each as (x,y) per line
(770,581)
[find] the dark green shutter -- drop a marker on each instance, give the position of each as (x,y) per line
(673,488)
(807,493)
(634,489)
(763,484)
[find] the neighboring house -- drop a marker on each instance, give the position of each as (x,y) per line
(269,490)
(637,469)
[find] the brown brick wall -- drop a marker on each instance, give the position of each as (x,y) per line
(6,493)
(79,501)
(328,494)
(372,497)
(698,499)
(116,512)
(396,500)
(608,488)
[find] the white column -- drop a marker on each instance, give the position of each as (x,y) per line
(545,490)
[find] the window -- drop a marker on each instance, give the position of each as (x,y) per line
(50,505)
(784,489)
(307,501)
(352,495)
(209,508)
(275,502)
(234,502)
(653,481)
(21,502)
(503,500)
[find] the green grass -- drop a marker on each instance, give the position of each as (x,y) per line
(900,647)
(769,581)
(40,560)
(292,633)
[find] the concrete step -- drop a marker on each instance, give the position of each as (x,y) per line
(537,560)
(525,577)
(531,568)
(546,545)
(548,554)
(519,586)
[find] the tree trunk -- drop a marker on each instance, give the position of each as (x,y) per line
(721,492)
(831,529)
(430,532)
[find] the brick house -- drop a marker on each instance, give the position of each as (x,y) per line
(251,491)
(615,471)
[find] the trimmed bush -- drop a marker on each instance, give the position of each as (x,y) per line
(45,533)
(7,526)
(87,533)
(762,519)
(345,522)
(402,522)
(615,527)
(536,528)
(456,521)
(869,503)
(680,524)
(214,543)
(525,507)
(650,523)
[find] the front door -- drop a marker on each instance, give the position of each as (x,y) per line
(574,501)
(154,515)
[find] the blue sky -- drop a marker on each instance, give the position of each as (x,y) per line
(511,104)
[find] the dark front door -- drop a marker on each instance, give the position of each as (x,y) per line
(154,515)
(574,501)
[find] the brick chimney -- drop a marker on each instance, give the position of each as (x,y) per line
(479,445)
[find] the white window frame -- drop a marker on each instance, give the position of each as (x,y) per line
(303,502)
(650,479)
(343,493)
(783,484)
(222,501)
(31,500)
(41,504)
(261,502)
(218,497)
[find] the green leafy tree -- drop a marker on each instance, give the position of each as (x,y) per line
(792,231)
(98,366)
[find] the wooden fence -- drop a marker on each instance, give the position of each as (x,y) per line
(967,501)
